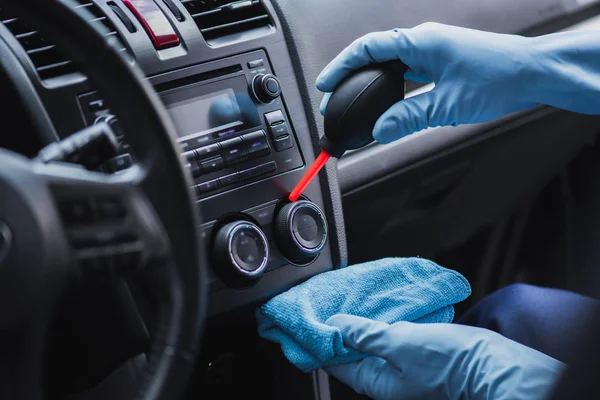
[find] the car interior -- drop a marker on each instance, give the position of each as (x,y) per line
(146,143)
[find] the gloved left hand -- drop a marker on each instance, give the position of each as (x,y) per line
(441,361)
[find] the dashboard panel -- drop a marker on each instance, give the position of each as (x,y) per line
(233,99)
(238,81)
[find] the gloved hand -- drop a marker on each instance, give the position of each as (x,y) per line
(479,76)
(440,361)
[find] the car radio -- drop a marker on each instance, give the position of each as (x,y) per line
(231,123)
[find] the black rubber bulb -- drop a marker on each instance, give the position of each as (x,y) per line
(357,103)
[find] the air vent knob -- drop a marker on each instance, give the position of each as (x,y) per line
(300,231)
(240,253)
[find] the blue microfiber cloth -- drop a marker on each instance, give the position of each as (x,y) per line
(387,290)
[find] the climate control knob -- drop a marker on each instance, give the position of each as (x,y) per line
(266,87)
(301,231)
(240,253)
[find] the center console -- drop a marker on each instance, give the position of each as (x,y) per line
(245,154)
(232,122)
(245,139)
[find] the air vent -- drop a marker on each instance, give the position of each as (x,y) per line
(221,18)
(49,61)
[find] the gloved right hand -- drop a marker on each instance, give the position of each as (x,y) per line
(479,76)
(440,361)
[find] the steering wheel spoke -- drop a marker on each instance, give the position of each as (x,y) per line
(110,225)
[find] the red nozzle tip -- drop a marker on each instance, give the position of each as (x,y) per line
(309,175)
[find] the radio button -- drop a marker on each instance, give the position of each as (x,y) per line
(279,130)
(283,143)
(254,172)
(195,169)
(189,155)
(234,151)
(245,174)
(268,167)
(208,151)
(249,173)
(274,117)
(256,144)
(213,165)
(192,163)
(229,179)
(266,87)
(208,186)
(256,63)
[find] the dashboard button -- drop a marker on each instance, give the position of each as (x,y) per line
(256,63)
(189,155)
(229,179)
(195,169)
(192,163)
(207,151)
(254,172)
(283,143)
(120,163)
(256,144)
(213,165)
(208,186)
(246,174)
(234,151)
(279,130)
(274,117)
(268,167)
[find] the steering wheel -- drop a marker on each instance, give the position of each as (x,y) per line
(141,221)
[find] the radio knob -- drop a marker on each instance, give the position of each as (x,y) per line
(301,231)
(266,87)
(240,253)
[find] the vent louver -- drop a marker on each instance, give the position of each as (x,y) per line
(222,18)
(50,62)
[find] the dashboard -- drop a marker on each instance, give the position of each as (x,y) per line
(237,80)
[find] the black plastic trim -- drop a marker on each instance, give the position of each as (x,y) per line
(328,178)
(364,168)
(29,97)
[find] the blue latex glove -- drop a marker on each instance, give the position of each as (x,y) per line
(479,76)
(441,361)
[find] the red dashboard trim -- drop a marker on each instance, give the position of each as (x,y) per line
(155,23)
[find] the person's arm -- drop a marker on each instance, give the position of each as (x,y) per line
(567,74)
(408,361)
(479,76)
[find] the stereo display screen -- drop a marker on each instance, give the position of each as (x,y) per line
(213,110)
